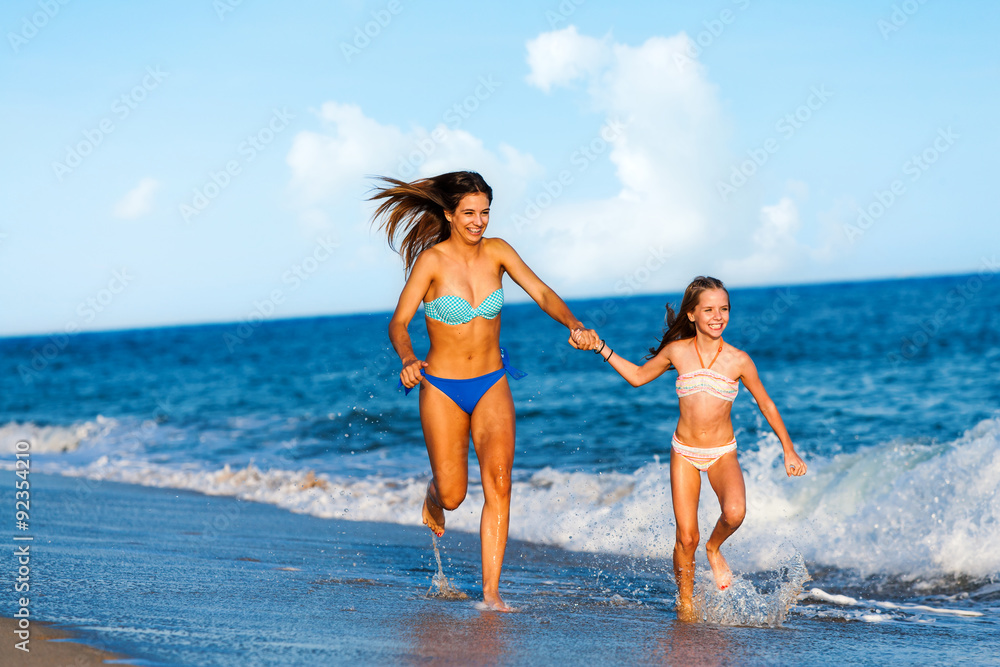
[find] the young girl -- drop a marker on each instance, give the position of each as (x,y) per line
(704,440)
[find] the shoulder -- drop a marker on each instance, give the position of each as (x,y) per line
(741,359)
(501,251)
(672,350)
(428,261)
(498,246)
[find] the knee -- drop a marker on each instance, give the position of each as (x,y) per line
(498,485)
(687,540)
(450,499)
(733,515)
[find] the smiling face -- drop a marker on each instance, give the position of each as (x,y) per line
(711,315)
(470,217)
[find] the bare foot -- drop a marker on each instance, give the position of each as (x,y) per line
(433,514)
(720,569)
(494,603)
(686,612)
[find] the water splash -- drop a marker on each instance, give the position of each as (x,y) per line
(745,604)
(441,587)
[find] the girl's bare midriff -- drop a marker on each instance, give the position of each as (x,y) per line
(704,421)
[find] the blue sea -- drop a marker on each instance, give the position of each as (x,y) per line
(890,391)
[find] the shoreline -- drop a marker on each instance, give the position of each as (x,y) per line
(49,645)
(147,575)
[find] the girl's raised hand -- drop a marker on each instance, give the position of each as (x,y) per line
(794,465)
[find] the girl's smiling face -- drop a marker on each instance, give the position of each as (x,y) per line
(470,217)
(711,315)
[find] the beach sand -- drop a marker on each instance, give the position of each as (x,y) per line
(178,578)
(49,646)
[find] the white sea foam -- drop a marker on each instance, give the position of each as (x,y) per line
(909,509)
(872,610)
(51,438)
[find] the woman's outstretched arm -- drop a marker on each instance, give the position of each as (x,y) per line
(794,465)
(409,299)
(544,296)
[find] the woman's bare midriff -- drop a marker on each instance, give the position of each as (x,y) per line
(464,350)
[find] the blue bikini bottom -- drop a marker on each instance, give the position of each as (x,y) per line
(466,393)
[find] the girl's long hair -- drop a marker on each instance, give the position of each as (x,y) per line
(678,325)
(415,210)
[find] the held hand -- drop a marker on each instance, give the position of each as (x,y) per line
(411,376)
(584,339)
(794,465)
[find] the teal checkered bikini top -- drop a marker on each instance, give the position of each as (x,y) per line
(456,310)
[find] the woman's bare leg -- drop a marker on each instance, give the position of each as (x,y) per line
(493,426)
(726,478)
(446,434)
(685,487)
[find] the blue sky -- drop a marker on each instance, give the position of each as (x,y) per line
(184,162)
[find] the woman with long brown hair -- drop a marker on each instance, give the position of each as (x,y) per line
(463,387)
(704,440)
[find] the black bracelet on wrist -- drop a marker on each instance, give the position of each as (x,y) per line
(607,357)
(602,348)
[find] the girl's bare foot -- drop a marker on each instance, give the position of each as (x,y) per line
(686,612)
(433,514)
(720,569)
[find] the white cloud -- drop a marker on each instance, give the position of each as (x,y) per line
(668,157)
(332,167)
(138,201)
(557,58)
(667,153)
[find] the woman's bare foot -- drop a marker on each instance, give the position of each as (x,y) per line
(494,603)
(686,612)
(433,514)
(720,569)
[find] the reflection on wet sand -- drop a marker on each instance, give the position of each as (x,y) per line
(461,635)
(688,644)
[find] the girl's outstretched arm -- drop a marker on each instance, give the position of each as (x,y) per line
(635,375)
(794,465)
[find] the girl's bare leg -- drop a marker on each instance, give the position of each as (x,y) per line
(726,478)
(685,487)
(493,437)
(446,433)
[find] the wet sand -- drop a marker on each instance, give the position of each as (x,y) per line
(49,646)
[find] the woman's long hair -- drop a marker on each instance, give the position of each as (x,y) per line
(415,210)
(678,325)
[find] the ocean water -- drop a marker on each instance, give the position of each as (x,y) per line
(890,390)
